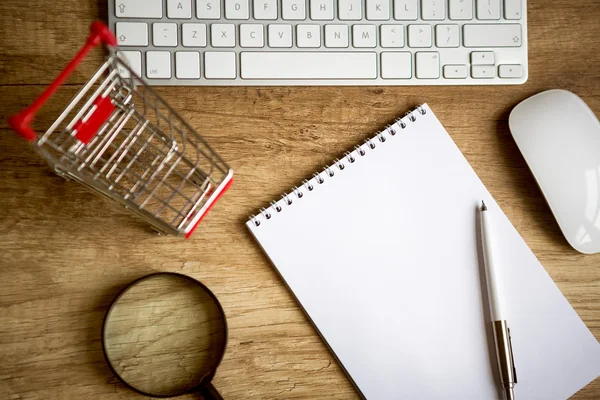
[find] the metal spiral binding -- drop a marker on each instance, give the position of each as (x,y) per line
(349,157)
(276,206)
(265,213)
(390,130)
(360,150)
(411,116)
(308,185)
(318,177)
(297,192)
(287,199)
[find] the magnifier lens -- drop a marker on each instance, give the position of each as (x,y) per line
(165,335)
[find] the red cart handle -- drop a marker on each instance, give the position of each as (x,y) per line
(21,122)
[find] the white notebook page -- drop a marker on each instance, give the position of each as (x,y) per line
(384,258)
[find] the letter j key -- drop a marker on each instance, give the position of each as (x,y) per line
(350,10)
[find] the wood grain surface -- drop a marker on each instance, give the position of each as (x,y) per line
(65,253)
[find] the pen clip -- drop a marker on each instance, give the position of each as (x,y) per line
(512,360)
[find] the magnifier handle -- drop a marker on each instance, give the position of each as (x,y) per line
(210,393)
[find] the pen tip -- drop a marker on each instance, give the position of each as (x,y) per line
(483,206)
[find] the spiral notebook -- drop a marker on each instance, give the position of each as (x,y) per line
(381,250)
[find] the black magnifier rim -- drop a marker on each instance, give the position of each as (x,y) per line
(204,382)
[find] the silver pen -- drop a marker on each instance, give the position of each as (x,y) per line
(502,339)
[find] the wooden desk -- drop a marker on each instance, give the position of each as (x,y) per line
(65,253)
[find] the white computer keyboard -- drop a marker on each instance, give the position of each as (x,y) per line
(323,42)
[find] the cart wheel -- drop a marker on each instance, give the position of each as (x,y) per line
(158,231)
(62,174)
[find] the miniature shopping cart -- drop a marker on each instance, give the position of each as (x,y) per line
(121,139)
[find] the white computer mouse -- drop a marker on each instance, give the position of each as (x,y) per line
(559,137)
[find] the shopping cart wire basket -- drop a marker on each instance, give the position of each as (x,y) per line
(119,138)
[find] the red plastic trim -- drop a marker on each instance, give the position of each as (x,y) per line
(88,129)
(21,122)
(187,235)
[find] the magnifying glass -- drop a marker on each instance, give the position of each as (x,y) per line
(165,335)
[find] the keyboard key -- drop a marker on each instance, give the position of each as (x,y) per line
(179,9)
(164,34)
(293,9)
(392,36)
(133,59)
(308,36)
(510,71)
(482,58)
(208,9)
(461,9)
(488,35)
(321,10)
(280,35)
(512,9)
(427,64)
(396,65)
(219,65)
(336,36)
(193,35)
(433,9)
(158,64)
(187,65)
(350,10)
(405,10)
(251,35)
(483,71)
(378,10)
(138,8)
(222,35)
(455,71)
(308,65)
(419,35)
(132,34)
(265,9)
(364,36)
(237,9)
(447,36)
(488,9)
